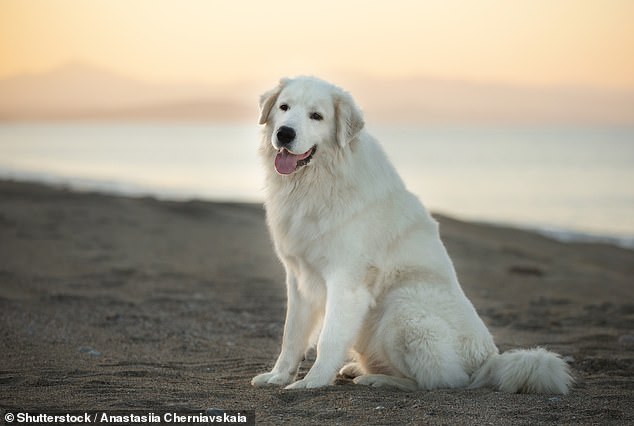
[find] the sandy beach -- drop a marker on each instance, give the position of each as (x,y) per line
(121,303)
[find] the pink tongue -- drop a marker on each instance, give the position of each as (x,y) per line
(286,162)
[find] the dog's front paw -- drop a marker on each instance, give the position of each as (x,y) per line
(308,383)
(271,379)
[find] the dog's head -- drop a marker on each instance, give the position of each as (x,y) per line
(306,119)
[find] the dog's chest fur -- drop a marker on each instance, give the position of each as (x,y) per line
(302,226)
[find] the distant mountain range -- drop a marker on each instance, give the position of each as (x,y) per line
(80,92)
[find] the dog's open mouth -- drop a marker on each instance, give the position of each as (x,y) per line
(286,162)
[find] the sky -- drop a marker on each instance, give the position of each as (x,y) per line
(531,43)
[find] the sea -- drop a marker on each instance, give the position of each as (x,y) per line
(570,183)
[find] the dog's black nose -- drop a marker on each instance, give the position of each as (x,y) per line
(285,135)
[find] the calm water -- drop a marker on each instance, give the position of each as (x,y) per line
(574,179)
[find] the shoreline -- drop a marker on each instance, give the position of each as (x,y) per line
(123,189)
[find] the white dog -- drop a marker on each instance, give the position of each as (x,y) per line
(366,272)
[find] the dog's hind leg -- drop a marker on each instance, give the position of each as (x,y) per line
(430,356)
(382,380)
(422,348)
(352,369)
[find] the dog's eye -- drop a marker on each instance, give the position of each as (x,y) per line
(316,116)
(284,107)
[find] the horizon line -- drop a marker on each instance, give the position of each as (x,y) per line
(342,74)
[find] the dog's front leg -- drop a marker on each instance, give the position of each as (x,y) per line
(300,321)
(346,309)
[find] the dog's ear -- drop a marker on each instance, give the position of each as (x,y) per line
(348,118)
(268,99)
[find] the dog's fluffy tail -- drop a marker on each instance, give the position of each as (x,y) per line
(525,371)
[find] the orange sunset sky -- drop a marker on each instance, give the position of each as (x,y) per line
(531,43)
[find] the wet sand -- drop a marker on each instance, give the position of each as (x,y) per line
(118,303)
